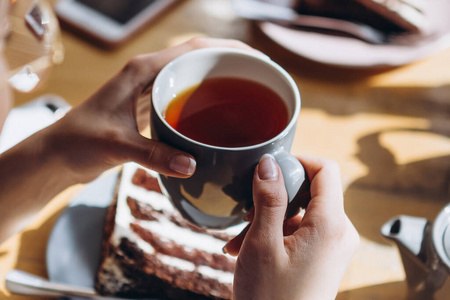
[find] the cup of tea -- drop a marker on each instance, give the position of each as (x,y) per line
(226,107)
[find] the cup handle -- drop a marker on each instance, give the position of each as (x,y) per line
(296,182)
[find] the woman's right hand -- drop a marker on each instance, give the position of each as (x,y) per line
(300,258)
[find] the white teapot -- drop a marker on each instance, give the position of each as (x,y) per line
(424,248)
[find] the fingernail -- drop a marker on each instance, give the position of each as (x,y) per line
(182,164)
(224,249)
(267,169)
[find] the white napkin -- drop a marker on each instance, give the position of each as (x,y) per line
(31,117)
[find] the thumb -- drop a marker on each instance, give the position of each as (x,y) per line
(270,201)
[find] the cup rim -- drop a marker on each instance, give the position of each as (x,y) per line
(225,50)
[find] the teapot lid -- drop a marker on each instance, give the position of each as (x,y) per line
(441,235)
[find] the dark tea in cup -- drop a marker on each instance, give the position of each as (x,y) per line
(228,112)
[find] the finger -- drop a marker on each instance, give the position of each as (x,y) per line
(325,213)
(234,246)
(199,43)
(291,225)
(326,186)
(160,157)
(141,70)
(143,113)
(250,214)
(270,201)
(137,76)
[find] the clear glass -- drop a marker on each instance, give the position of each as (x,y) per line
(32,43)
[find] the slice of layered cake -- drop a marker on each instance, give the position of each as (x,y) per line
(150,251)
(389,16)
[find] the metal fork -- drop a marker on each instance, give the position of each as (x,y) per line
(263,11)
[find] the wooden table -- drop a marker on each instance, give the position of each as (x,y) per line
(388,129)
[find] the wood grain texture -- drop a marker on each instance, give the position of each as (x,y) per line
(388,129)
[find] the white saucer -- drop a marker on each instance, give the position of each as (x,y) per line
(73,249)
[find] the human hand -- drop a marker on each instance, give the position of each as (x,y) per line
(103,131)
(299,258)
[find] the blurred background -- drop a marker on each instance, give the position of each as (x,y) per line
(381,109)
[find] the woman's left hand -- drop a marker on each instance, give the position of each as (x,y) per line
(101,133)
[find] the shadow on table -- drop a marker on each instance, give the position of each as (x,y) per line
(351,98)
(347,98)
(419,188)
(390,291)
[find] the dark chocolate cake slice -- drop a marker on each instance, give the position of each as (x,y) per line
(150,251)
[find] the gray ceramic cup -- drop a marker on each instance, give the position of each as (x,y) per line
(220,191)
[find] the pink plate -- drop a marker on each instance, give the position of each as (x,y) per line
(350,52)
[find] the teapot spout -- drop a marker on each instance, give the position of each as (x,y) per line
(408,233)
(412,236)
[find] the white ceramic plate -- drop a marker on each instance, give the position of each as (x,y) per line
(73,249)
